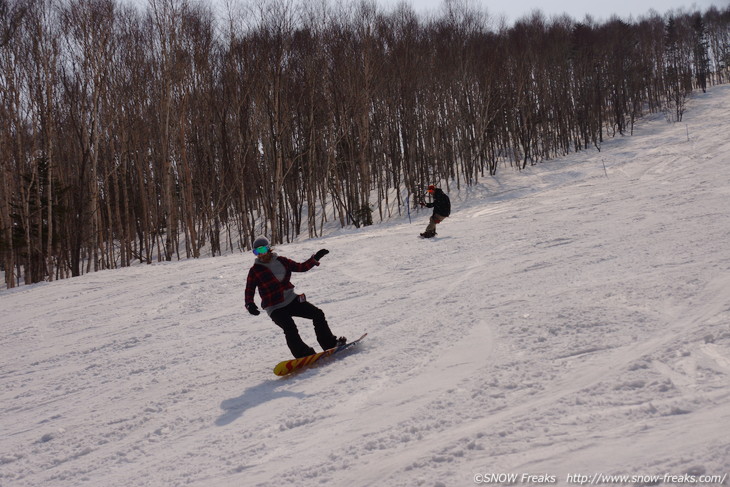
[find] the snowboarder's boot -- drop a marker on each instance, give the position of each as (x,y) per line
(305,352)
(428,234)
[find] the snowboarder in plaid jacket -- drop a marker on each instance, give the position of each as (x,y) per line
(271,274)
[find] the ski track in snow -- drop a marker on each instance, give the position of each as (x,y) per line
(570,318)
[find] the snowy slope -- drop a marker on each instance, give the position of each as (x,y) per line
(572,319)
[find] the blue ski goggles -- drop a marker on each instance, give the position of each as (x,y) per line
(264,249)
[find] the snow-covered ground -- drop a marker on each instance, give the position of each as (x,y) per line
(569,320)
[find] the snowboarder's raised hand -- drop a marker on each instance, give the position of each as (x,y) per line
(253,309)
(321,253)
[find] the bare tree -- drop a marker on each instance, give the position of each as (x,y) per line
(11,129)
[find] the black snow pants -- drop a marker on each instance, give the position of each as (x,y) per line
(284,318)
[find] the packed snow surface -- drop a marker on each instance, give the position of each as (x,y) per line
(571,322)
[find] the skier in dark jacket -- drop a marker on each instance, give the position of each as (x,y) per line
(271,274)
(441,209)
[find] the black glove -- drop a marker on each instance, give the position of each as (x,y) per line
(253,309)
(320,253)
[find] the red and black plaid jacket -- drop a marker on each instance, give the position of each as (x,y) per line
(271,289)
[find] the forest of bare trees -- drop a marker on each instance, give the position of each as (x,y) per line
(136,133)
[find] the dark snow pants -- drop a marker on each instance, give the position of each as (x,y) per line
(284,318)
